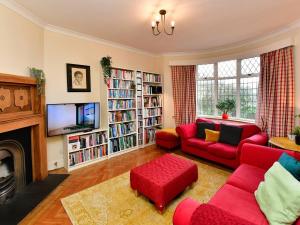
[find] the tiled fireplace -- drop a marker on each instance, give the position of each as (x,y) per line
(23,157)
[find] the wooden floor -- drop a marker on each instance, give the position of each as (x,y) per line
(51,211)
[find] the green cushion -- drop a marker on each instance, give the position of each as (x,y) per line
(279,196)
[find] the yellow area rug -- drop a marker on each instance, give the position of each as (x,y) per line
(114,203)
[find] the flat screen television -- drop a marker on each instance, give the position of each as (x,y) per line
(72,117)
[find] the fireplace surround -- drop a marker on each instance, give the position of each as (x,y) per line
(21,109)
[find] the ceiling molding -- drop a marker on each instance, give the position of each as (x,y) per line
(11,4)
(287,28)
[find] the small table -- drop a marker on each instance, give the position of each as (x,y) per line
(162,179)
(285,143)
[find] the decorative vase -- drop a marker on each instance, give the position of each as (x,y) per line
(119,116)
(297,139)
(225,116)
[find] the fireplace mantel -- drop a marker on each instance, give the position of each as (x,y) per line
(21,106)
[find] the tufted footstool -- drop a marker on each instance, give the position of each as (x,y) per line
(162,179)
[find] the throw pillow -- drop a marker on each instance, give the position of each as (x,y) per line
(278,196)
(230,134)
(201,126)
(290,164)
(212,135)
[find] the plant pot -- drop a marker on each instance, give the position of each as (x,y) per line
(225,116)
(297,139)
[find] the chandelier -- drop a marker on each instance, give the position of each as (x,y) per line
(155,24)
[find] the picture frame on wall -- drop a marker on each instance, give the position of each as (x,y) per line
(78,78)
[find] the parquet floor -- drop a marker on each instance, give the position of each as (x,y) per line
(51,211)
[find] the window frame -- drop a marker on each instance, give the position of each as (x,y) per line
(215,78)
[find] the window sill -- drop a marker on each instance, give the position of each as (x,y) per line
(231,119)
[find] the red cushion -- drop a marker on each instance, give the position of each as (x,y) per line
(239,203)
(199,143)
(207,214)
(247,177)
(223,150)
(163,178)
(166,136)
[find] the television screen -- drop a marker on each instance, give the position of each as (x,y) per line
(72,117)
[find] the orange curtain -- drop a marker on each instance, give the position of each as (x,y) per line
(184,93)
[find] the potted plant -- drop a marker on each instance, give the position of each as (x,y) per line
(292,135)
(39,75)
(226,106)
(296,132)
(106,68)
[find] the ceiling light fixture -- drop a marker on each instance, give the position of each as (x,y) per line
(155,24)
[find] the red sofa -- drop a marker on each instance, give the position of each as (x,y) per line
(236,197)
(215,151)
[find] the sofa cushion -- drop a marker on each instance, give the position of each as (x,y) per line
(279,196)
(239,203)
(201,126)
(290,164)
(212,135)
(199,143)
(247,177)
(223,150)
(230,134)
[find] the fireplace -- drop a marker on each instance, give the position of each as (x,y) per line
(23,152)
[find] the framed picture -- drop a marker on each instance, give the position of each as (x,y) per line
(78,78)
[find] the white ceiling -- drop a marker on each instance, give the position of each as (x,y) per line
(200,24)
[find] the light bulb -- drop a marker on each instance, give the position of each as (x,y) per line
(173,24)
(153,23)
(157,18)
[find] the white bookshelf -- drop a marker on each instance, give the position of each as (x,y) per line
(152,106)
(122,122)
(85,148)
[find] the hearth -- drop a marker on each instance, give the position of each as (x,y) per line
(15,162)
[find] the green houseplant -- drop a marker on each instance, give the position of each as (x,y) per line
(106,68)
(296,132)
(226,106)
(39,75)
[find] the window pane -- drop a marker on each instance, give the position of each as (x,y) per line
(205,71)
(248,96)
(251,65)
(205,97)
(227,68)
(227,90)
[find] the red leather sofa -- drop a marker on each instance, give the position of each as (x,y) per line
(215,151)
(236,197)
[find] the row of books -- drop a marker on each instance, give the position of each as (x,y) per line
(122,143)
(139,102)
(150,89)
(85,141)
(125,116)
(120,93)
(87,154)
(153,101)
(127,84)
(152,112)
(120,104)
(117,130)
(152,121)
(149,77)
(122,74)
(149,135)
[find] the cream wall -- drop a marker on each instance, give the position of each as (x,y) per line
(258,47)
(21,43)
(60,49)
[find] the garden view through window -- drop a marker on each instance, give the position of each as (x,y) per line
(232,79)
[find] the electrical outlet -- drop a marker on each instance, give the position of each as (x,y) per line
(55,164)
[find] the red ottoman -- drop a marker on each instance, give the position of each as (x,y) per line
(163,179)
(167,138)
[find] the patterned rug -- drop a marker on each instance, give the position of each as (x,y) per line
(114,203)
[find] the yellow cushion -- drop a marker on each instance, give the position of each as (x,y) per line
(212,135)
(169,130)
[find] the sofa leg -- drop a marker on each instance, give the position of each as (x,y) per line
(136,192)
(160,209)
(192,185)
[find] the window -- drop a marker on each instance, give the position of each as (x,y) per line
(233,79)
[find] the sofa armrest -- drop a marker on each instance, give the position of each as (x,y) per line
(184,211)
(261,156)
(187,130)
(257,139)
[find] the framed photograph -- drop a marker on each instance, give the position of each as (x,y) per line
(78,78)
